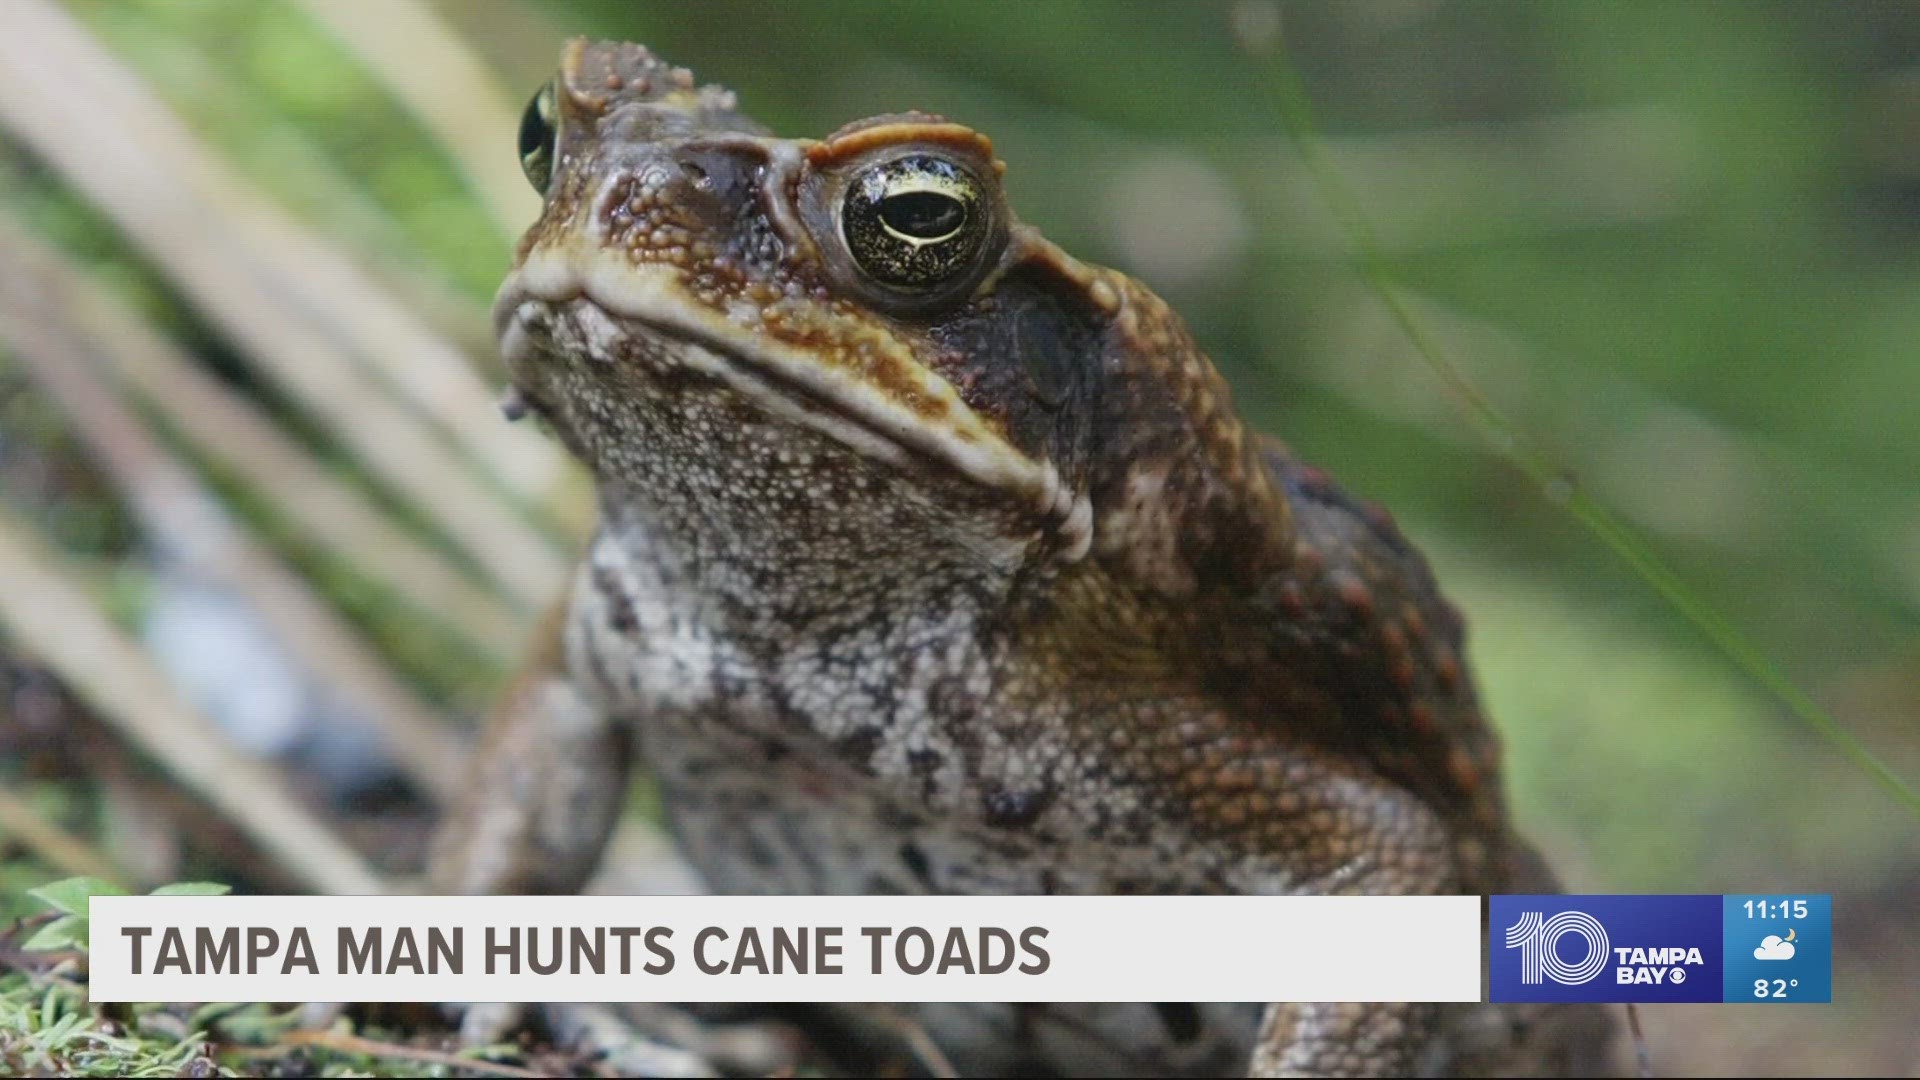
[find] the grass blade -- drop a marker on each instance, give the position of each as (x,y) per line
(1555,483)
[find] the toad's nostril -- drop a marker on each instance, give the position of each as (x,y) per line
(719,170)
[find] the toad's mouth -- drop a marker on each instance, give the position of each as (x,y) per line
(910,418)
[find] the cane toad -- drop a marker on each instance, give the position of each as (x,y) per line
(932,559)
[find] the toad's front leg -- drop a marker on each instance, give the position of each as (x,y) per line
(1404,849)
(544,792)
(543,795)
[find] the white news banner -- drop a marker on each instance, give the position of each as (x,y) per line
(785,948)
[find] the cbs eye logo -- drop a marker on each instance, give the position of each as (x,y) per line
(1538,939)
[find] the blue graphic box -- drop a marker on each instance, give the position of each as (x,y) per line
(1779,948)
(1749,948)
(1606,948)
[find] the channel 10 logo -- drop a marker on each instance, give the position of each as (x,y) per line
(1605,948)
(1538,939)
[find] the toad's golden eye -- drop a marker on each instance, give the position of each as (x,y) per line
(538,132)
(915,224)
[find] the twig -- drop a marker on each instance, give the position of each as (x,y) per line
(227,429)
(51,616)
(932,1058)
(1642,1056)
(190,521)
(190,73)
(134,830)
(433,73)
(354,1044)
(66,853)
(297,307)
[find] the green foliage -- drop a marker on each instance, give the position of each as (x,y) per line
(54,1033)
(193,888)
(47,1026)
(69,898)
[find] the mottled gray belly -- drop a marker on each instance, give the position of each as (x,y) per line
(756,814)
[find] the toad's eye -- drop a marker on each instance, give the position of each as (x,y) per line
(537,139)
(915,224)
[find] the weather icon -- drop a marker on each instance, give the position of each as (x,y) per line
(1775,947)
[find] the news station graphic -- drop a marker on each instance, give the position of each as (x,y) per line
(785,948)
(1661,948)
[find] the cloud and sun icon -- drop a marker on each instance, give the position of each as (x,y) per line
(1775,947)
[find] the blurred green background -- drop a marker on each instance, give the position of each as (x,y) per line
(1675,241)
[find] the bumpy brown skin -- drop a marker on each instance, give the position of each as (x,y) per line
(979,588)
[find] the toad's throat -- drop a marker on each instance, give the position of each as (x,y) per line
(627,304)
